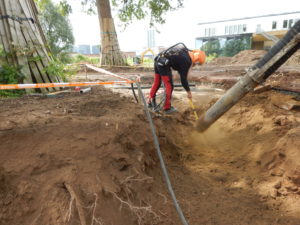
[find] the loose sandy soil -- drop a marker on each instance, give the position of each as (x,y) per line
(87,159)
(76,158)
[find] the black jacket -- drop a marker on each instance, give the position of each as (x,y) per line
(179,60)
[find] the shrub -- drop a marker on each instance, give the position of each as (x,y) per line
(11,75)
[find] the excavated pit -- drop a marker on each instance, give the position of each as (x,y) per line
(90,159)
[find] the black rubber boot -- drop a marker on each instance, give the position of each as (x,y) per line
(152,103)
(171,110)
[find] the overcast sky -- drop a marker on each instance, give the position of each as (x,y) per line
(181,25)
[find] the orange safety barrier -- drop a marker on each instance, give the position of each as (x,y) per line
(46,85)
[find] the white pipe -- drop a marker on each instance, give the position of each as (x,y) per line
(85,90)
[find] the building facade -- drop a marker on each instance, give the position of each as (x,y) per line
(151,38)
(263,30)
(95,49)
(84,49)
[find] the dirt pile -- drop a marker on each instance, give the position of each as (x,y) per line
(277,128)
(90,159)
(250,57)
(254,146)
(243,57)
(225,73)
(294,60)
(247,57)
(222,60)
(79,160)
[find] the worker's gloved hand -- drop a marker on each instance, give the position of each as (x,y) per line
(189,95)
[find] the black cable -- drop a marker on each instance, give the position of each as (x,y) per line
(16,18)
(133,91)
(161,159)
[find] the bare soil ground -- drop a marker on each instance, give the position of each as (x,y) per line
(92,155)
(87,159)
(225,71)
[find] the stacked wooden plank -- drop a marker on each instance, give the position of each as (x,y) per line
(23,40)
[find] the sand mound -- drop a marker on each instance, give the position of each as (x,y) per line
(222,60)
(243,57)
(247,57)
(250,57)
(294,60)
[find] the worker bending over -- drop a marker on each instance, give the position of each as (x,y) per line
(179,58)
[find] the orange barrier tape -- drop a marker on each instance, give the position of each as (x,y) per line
(46,85)
(105,71)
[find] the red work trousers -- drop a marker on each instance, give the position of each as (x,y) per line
(168,82)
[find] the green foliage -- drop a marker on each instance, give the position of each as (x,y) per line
(130,61)
(148,62)
(136,61)
(65,57)
(84,59)
(129,10)
(211,57)
(11,75)
(57,27)
(234,46)
(2,52)
(34,58)
(41,4)
(59,69)
(212,48)
(89,6)
(64,8)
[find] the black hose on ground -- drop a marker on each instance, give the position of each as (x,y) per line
(133,91)
(161,159)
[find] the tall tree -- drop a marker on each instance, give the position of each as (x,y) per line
(110,50)
(128,10)
(212,47)
(56,26)
(23,41)
(234,46)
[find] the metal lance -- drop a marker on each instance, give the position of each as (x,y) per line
(257,74)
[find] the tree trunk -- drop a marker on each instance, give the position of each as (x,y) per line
(23,41)
(110,50)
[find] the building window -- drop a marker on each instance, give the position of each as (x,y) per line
(209,32)
(226,30)
(244,27)
(291,22)
(285,24)
(258,28)
(274,25)
(235,29)
(230,29)
(240,29)
(296,20)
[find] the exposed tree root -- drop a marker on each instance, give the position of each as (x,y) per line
(80,210)
(96,220)
(139,211)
